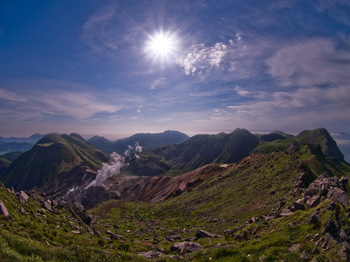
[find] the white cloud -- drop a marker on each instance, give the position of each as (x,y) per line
(41,99)
(157,82)
(309,63)
(10,96)
(241,91)
(202,58)
(329,103)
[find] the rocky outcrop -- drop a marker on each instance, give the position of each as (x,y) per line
(79,212)
(326,187)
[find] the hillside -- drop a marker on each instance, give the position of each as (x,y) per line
(197,151)
(101,143)
(56,162)
(266,207)
(200,150)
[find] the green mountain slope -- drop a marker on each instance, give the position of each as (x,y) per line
(199,150)
(148,141)
(101,143)
(53,156)
(321,137)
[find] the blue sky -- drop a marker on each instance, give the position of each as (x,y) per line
(91,66)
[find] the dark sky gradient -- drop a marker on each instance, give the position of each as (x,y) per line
(84,66)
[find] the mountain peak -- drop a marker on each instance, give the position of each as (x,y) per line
(322,137)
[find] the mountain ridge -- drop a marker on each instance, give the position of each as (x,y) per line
(146,140)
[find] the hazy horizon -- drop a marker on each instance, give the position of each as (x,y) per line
(116,68)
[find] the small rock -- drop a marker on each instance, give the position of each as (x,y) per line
(298,206)
(24,196)
(160,249)
(3,209)
(315,217)
(343,235)
(113,236)
(151,254)
(313,201)
(343,181)
(204,234)
(303,255)
(253,220)
(294,247)
(238,237)
(344,251)
(47,205)
(173,238)
(185,247)
(22,211)
(286,212)
(331,228)
(76,232)
(2,185)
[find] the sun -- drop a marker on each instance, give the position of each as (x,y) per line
(161,46)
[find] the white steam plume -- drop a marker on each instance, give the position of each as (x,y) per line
(108,170)
(116,163)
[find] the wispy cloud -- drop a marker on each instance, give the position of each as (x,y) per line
(52,99)
(110,30)
(157,83)
(310,62)
(10,96)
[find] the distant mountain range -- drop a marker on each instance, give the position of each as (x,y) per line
(18,144)
(58,163)
(146,140)
(200,150)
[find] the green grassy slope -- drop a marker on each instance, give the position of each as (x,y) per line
(33,233)
(254,187)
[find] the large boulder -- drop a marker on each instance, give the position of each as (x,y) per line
(339,196)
